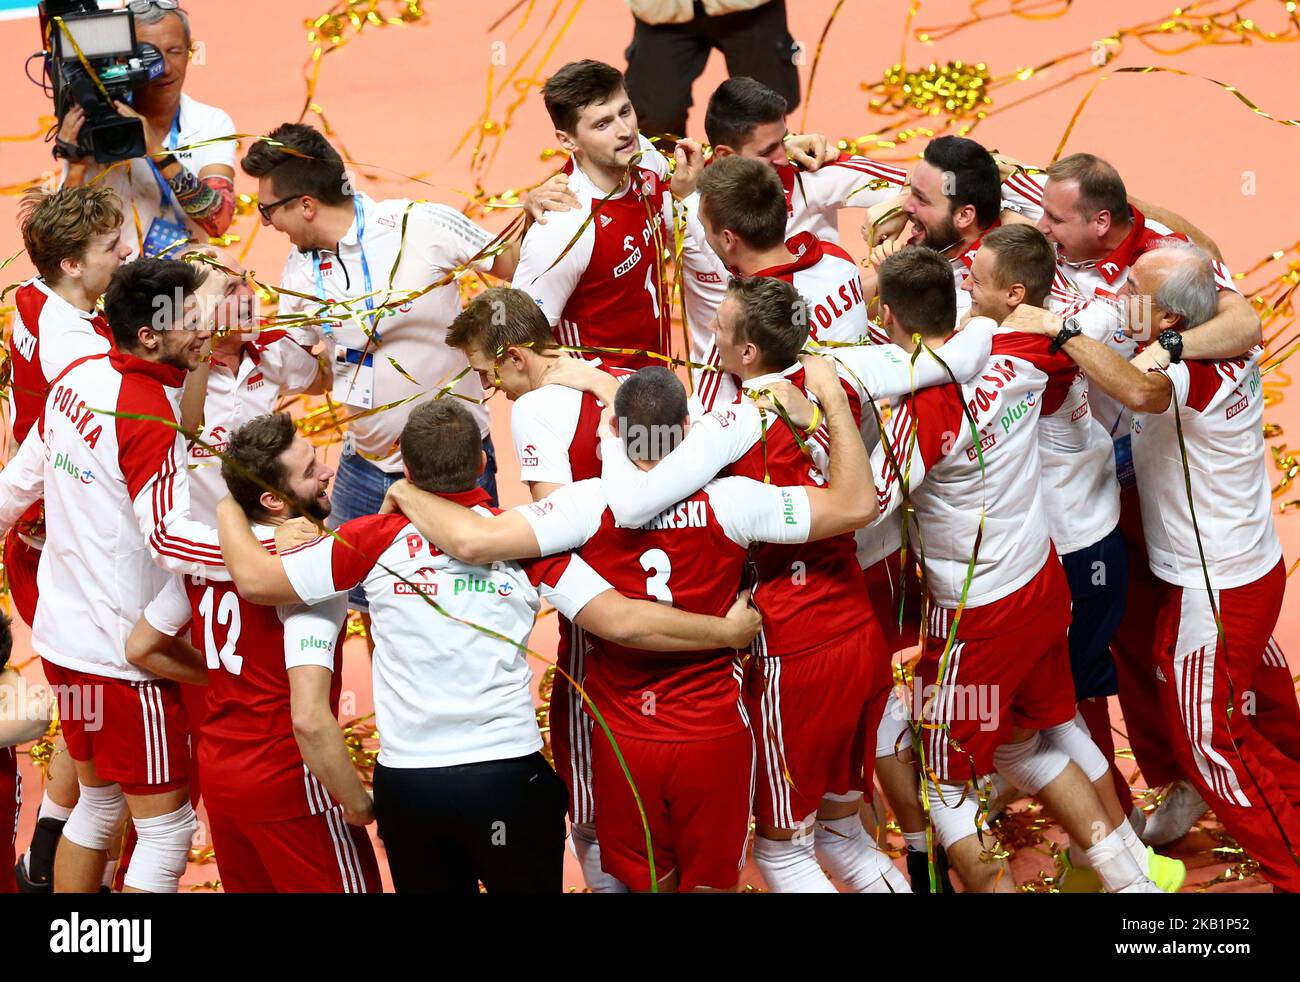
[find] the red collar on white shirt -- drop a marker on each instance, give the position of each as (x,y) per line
(967,255)
(129,364)
(807,251)
(1138,240)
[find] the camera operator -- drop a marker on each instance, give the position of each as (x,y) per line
(170,196)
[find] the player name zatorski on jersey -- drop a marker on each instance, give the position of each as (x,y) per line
(116,508)
(451,680)
(248,755)
(1220,405)
(691,555)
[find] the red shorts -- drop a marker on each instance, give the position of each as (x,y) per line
(1009,666)
(137,733)
(21,561)
(887,590)
(696,797)
(312,854)
(571,727)
(815,716)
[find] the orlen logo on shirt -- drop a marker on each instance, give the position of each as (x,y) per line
(217,442)
(628,263)
(424,583)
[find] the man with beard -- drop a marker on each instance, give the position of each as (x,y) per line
(108,457)
(286,807)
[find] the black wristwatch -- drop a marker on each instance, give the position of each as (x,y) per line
(1172,342)
(1069,329)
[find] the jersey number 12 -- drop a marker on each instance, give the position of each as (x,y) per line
(227,614)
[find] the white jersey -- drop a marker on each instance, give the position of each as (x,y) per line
(720,438)
(814,198)
(140,190)
(1080,489)
(1220,405)
(270,365)
(556,434)
(960,481)
(1103,279)
(826,278)
(447,692)
(48,335)
(116,508)
(408,361)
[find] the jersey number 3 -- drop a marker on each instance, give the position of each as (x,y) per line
(660,567)
(227,615)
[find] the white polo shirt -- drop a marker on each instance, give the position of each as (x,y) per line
(139,189)
(411,362)
(452,682)
(271,365)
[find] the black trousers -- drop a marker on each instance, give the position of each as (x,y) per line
(447,828)
(664,60)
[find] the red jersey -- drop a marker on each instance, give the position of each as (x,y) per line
(810,594)
(248,755)
(598,271)
(692,556)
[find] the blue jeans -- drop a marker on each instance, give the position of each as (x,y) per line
(360,487)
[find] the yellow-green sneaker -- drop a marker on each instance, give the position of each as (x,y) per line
(1077,879)
(1166,873)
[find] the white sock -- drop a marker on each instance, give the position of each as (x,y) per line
(790,865)
(915,841)
(1114,864)
(1134,846)
(587,848)
(844,848)
(110,873)
(52,809)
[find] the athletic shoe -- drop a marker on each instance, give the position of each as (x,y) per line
(1165,872)
(1175,816)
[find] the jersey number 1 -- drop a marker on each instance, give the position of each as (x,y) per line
(227,614)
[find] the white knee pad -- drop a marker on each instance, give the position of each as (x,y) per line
(954,812)
(96,821)
(892,735)
(162,845)
(1031,764)
(1073,739)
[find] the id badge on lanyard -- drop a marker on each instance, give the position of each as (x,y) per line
(164,236)
(354,378)
(354,368)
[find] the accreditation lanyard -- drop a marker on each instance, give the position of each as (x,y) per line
(365,271)
(165,192)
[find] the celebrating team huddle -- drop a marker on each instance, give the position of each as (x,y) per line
(1021,447)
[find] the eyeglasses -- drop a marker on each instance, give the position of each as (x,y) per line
(143,6)
(265,210)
